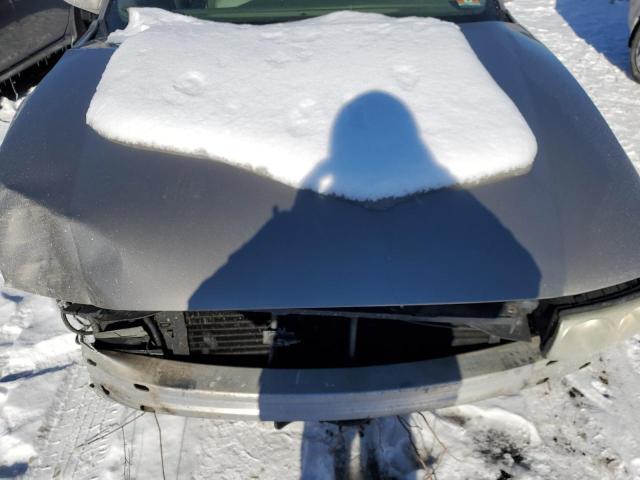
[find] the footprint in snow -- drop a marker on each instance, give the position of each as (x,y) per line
(190,83)
(406,76)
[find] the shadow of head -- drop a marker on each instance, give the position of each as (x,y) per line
(376,152)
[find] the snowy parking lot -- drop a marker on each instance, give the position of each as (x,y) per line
(585,426)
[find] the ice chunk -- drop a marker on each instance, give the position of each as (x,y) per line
(354,104)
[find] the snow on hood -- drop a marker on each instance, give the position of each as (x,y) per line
(358,105)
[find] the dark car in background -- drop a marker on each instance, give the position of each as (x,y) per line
(35,30)
(634,39)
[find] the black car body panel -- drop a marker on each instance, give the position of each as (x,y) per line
(95,222)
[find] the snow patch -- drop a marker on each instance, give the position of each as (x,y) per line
(141,19)
(52,353)
(13,451)
(497,419)
(353,104)
(8,109)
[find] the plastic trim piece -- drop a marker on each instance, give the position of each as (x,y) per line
(581,332)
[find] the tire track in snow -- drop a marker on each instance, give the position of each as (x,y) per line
(76,415)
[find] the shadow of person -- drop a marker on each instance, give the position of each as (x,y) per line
(442,246)
(603,25)
(376,152)
(438,247)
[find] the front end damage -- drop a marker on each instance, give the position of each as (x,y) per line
(219,292)
(341,364)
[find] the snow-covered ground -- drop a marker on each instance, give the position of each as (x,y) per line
(584,426)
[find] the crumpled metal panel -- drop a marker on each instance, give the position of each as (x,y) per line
(27,27)
(92,221)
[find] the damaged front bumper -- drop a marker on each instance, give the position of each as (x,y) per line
(200,390)
(203,390)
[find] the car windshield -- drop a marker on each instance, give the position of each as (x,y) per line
(270,11)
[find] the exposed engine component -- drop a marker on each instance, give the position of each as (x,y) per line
(220,333)
(300,338)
